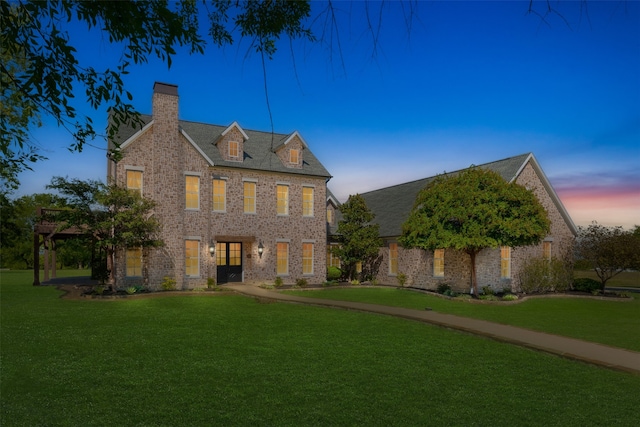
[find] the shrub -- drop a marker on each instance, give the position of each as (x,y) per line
(464,296)
(333,273)
(402,279)
(278,282)
(131,290)
(489,297)
(540,275)
(487,290)
(355,282)
(374,282)
(443,287)
(168,284)
(509,297)
(301,283)
(586,284)
(450,293)
(211,283)
(99,289)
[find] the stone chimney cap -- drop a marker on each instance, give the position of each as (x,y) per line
(165,88)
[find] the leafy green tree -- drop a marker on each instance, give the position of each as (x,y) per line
(359,239)
(473,210)
(41,75)
(111,216)
(608,250)
(17,219)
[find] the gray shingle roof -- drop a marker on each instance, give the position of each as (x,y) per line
(258,149)
(392,205)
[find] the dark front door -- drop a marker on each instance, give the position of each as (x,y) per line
(229,262)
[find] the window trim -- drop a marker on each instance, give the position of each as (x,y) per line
(197,257)
(436,272)
(505,250)
(312,258)
(254,198)
(278,253)
(304,202)
(191,175)
(297,156)
(128,169)
(393,260)
(237,150)
(213,195)
(286,200)
(127,258)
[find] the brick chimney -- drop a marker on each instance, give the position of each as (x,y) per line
(165,105)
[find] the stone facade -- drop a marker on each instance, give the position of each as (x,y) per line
(166,156)
(417,264)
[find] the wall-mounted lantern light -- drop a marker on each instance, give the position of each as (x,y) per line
(212,249)
(260,249)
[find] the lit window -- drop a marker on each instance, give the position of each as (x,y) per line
(546,250)
(221,254)
(249,197)
(192,258)
(329,216)
(393,258)
(233,149)
(505,262)
(134,262)
(438,263)
(307,201)
(192,191)
(219,195)
(134,181)
(334,261)
(282,255)
(359,267)
(307,258)
(294,156)
(283,199)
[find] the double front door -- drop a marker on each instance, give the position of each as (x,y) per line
(229,262)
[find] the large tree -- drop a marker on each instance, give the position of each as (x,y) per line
(359,239)
(473,210)
(111,216)
(609,250)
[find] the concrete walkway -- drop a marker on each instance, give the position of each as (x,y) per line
(597,354)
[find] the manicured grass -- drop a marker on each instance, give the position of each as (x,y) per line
(626,279)
(614,323)
(229,360)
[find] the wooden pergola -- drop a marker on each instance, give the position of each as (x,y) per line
(46,234)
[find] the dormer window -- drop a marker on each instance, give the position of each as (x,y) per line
(294,156)
(234,151)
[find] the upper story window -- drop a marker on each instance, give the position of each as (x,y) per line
(134,180)
(234,149)
(393,258)
(249,197)
(283,199)
(438,263)
(307,201)
(294,156)
(329,216)
(505,262)
(192,192)
(219,195)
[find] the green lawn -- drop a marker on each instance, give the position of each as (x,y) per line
(614,323)
(225,359)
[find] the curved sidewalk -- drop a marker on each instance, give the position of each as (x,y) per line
(597,354)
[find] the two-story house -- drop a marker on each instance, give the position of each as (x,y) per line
(234,204)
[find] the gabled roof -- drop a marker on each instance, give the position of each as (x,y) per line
(392,205)
(258,147)
(288,138)
(231,126)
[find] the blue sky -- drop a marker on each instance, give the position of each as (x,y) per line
(472,82)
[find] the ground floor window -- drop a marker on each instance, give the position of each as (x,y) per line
(546,250)
(134,262)
(438,263)
(307,258)
(332,259)
(393,258)
(282,256)
(192,258)
(505,262)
